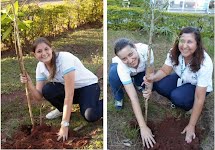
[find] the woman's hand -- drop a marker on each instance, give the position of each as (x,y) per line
(148,80)
(147,137)
(25,78)
(190,133)
(63,133)
(148,86)
(147,93)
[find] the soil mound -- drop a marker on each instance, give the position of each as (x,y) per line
(44,137)
(168,134)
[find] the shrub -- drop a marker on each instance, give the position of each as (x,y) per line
(168,23)
(51,20)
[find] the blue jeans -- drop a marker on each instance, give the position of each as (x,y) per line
(182,96)
(116,85)
(91,107)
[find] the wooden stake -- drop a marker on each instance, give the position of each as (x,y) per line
(150,67)
(20,60)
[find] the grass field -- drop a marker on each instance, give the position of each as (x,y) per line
(118,128)
(14,109)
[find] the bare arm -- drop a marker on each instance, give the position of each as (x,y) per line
(146,134)
(161,73)
(196,112)
(69,79)
(200,94)
(135,103)
(36,92)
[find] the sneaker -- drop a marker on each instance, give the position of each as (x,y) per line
(119,104)
(54,114)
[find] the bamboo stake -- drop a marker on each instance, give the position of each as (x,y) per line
(150,68)
(41,120)
(20,60)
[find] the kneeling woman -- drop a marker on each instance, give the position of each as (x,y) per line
(191,81)
(62,79)
(127,70)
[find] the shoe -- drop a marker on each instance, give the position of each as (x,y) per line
(119,104)
(54,114)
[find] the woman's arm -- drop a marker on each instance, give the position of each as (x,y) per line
(200,94)
(161,73)
(135,103)
(146,134)
(36,92)
(69,79)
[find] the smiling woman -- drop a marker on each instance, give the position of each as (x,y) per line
(191,81)
(63,80)
(127,69)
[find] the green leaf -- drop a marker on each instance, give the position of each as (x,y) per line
(16,6)
(6,21)
(3,17)
(8,8)
(7,32)
(21,14)
(28,23)
(22,25)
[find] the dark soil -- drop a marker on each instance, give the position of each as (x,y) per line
(44,137)
(168,134)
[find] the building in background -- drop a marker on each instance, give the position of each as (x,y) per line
(192,6)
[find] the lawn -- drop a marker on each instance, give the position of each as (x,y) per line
(14,109)
(118,121)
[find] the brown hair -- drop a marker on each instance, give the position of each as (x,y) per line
(53,60)
(122,43)
(198,55)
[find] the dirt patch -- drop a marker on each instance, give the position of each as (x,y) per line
(44,137)
(16,95)
(168,134)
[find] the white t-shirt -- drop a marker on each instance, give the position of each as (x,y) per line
(125,73)
(65,63)
(202,78)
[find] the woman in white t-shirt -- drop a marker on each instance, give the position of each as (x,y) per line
(191,81)
(127,70)
(62,79)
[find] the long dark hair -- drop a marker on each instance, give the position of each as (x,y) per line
(198,55)
(53,60)
(122,43)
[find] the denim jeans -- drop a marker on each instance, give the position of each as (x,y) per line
(116,84)
(182,96)
(91,107)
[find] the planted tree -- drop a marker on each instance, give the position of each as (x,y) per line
(153,6)
(19,53)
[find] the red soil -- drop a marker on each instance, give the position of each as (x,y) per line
(44,137)
(168,135)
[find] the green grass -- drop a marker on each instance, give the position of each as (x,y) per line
(118,128)
(15,112)
(85,44)
(10,73)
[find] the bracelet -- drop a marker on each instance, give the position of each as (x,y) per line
(64,123)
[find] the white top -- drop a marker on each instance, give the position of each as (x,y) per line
(65,63)
(126,72)
(202,78)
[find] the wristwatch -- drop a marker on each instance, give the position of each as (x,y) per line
(64,123)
